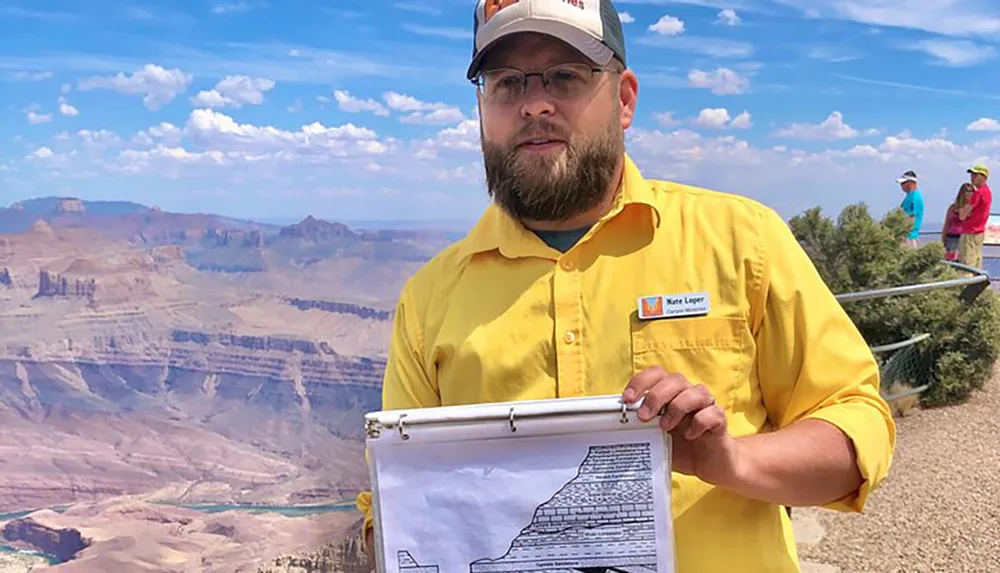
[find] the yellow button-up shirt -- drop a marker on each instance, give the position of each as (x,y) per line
(500,316)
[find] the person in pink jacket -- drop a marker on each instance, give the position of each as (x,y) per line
(951,232)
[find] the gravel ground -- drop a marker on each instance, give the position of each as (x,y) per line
(939,509)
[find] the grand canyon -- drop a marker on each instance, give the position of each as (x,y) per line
(185,392)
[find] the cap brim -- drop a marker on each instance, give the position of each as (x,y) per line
(905,179)
(586,44)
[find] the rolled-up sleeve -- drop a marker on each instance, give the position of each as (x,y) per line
(812,362)
(407,382)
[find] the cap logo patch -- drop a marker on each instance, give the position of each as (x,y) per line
(494,6)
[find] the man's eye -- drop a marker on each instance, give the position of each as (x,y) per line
(566,76)
(509,81)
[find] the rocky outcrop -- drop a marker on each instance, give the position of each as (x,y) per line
(313,229)
(344,556)
(253,343)
(365,312)
(63,544)
(65,206)
(50,285)
(41,227)
(234,238)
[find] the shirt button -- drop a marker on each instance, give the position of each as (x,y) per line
(568,265)
(569,337)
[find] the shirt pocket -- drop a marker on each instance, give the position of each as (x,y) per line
(714,351)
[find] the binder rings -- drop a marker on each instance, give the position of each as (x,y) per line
(609,451)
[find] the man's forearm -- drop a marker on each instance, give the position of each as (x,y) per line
(808,463)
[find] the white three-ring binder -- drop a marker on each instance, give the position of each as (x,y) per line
(492,488)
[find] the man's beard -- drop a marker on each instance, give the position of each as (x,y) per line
(557,187)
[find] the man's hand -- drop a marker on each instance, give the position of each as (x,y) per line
(810,462)
(702,444)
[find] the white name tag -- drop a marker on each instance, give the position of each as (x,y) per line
(674,305)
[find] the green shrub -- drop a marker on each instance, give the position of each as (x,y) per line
(858,253)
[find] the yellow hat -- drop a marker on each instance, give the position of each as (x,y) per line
(980,169)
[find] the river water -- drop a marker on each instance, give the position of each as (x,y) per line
(286,510)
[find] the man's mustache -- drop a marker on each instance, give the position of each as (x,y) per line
(539,128)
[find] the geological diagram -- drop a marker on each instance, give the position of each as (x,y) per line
(407,564)
(601,521)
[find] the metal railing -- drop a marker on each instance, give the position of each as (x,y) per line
(903,350)
(980,280)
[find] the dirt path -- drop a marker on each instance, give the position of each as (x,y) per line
(939,509)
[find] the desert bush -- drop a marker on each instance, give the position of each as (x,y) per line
(857,252)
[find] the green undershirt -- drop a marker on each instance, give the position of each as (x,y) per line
(562,241)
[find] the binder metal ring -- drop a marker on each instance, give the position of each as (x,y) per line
(624,419)
(402,431)
(513,428)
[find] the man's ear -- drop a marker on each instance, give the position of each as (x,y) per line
(628,95)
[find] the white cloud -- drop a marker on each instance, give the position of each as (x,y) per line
(212,149)
(347,102)
(422,112)
(418,7)
(98,138)
(955,53)
(36,118)
(668,26)
(233,7)
(165,131)
(701,45)
(66,109)
(217,130)
(42,153)
(666,119)
(31,76)
(626,18)
(741,121)
(463,137)
(713,118)
(722,81)
(728,17)
(719,118)
(832,128)
(235,91)
(774,175)
(439,31)
(946,17)
(984,124)
(832,54)
(157,85)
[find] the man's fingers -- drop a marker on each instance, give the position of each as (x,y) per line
(641,383)
(691,400)
(666,390)
(707,421)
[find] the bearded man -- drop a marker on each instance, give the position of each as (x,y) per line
(584,278)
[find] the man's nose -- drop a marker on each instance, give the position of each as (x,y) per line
(536,100)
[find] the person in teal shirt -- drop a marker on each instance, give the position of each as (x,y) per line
(913,205)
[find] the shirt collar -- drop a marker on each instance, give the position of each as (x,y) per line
(496,230)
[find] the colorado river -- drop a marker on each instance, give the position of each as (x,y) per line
(14,559)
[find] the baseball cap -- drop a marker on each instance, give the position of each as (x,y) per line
(980,169)
(591,26)
(908,176)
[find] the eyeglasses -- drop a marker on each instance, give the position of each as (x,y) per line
(562,81)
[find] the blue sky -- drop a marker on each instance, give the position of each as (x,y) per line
(354,109)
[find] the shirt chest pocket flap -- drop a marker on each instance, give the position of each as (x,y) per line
(709,350)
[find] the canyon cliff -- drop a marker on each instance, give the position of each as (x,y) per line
(190,359)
